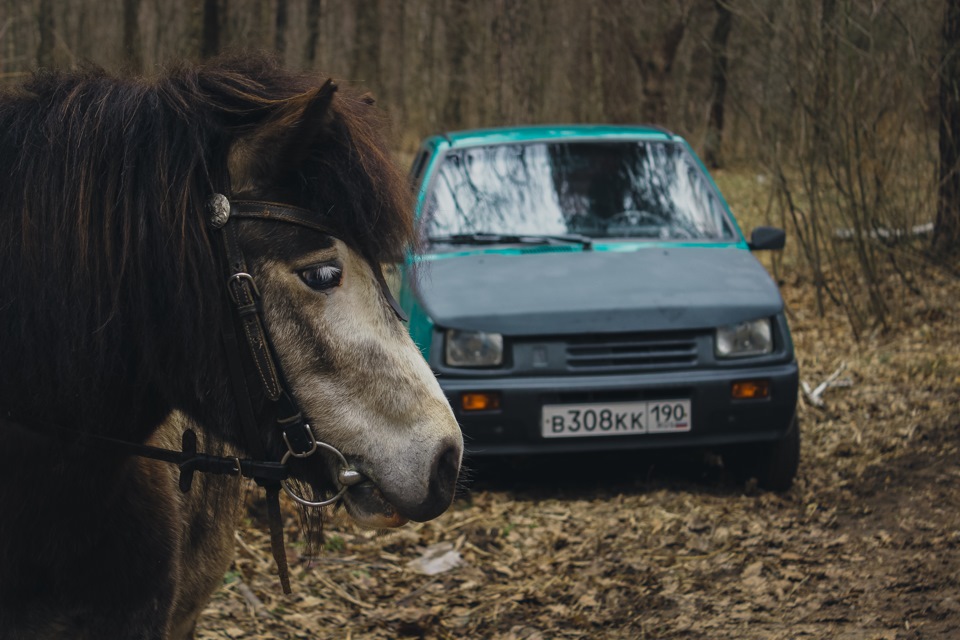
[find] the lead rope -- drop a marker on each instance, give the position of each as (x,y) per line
(275,520)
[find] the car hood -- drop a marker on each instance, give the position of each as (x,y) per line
(650,289)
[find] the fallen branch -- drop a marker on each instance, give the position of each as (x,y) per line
(886,235)
(259,609)
(813,396)
(343,593)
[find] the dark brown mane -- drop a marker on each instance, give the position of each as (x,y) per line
(109,291)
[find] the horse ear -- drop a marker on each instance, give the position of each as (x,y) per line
(285,139)
(299,123)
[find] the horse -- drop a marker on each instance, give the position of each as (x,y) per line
(190,282)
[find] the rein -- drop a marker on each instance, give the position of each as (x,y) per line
(189,460)
(243,323)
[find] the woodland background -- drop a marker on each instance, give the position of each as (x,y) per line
(844,113)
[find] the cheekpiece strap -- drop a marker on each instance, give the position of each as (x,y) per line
(245,297)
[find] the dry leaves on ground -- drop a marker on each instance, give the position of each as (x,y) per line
(865,546)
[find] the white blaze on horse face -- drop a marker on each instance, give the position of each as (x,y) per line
(363,384)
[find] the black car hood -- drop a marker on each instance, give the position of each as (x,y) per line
(651,289)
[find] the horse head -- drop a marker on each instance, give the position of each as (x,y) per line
(342,352)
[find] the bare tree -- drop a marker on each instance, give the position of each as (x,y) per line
(654,59)
(366,52)
(210,36)
(946,234)
(45,50)
(280,33)
(718,83)
(132,42)
(459,47)
(313,31)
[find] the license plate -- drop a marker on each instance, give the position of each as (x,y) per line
(615,418)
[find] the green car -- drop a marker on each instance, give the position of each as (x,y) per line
(586,288)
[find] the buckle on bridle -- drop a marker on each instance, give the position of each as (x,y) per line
(240,278)
(304,452)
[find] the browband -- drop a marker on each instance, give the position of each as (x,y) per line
(264,210)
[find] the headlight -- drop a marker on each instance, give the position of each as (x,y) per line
(473,348)
(751,338)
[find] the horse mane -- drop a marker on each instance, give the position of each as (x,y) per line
(110,291)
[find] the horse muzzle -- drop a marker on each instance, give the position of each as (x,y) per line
(425,498)
(388,502)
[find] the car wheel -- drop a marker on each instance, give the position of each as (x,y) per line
(773,464)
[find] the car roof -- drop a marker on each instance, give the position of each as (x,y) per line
(500,135)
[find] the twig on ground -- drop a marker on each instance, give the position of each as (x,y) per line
(413,594)
(259,609)
(342,592)
(813,396)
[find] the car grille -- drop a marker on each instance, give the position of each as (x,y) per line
(631,352)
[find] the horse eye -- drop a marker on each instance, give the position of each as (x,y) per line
(322,276)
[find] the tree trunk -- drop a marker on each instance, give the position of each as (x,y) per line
(946,231)
(210,39)
(313,31)
(132,44)
(822,90)
(46,46)
(718,83)
(458,44)
(366,53)
(655,61)
(280,33)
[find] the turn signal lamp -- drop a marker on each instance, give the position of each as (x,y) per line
(750,390)
(480,401)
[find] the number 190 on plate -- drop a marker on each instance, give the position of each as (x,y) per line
(615,418)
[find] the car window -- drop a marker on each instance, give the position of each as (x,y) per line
(598,189)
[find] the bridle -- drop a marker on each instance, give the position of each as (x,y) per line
(243,324)
(247,316)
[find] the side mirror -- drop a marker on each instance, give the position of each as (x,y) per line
(767,239)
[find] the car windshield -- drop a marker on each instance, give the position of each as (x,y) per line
(548,190)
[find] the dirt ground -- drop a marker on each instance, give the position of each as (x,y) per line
(866,545)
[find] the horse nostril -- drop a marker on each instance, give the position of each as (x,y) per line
(407,494)
(445,469)
(443,482)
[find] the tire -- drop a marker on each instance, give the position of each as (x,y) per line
(773,464)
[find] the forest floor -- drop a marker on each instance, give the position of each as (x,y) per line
(865,546)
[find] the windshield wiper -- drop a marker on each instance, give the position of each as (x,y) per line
(527,238)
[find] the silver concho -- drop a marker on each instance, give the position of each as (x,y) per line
(219,209)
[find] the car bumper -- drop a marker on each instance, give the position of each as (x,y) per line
(716,418)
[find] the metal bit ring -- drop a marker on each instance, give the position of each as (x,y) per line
(346,478)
